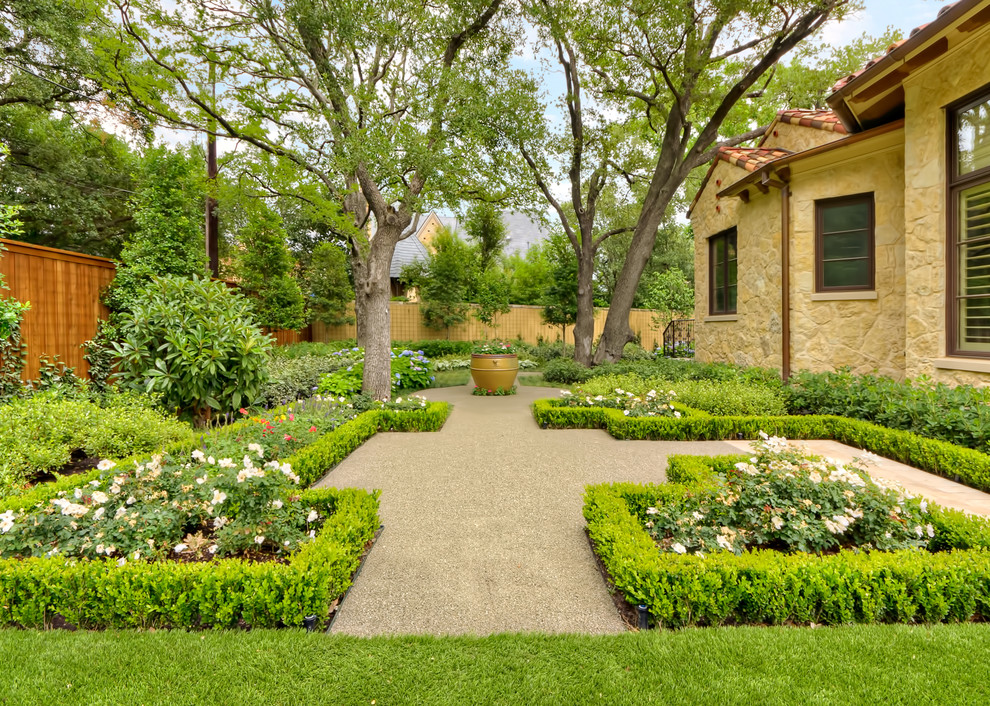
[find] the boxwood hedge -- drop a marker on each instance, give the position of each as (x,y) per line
(942,458)
(766,587)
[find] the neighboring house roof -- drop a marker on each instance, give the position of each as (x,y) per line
(750,158)
(522,232)
(822,119)
(406,252)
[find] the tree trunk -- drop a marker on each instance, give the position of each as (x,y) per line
(371,305)
(584,326)
(617,332)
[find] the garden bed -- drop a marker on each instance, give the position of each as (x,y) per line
(960,464)
(309,579)
(767,587)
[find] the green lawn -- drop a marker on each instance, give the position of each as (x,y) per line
(851,665)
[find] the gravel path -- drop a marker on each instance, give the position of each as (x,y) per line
(483,526)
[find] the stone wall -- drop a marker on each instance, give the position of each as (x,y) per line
(752,337)
(961,70)
(863,333)
(798,138)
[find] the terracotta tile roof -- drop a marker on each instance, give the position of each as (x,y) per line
(751,158)
(821,119)
(874,61)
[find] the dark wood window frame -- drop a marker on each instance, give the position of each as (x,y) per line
(871,256)
(712,244)
(955,185)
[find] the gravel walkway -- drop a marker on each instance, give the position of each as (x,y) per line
(483,526)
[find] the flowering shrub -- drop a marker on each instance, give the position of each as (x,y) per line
(194,508)
(784,499)
(650,404)
(410,371)
(494,348)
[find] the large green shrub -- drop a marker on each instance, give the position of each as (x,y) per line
(565,371)
(330,288)
(959,415)
(194,343)
(169,239)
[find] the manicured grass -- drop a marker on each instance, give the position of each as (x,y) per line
(849,665)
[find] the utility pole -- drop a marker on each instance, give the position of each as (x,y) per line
(212,217)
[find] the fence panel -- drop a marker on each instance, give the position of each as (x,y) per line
(523,322)
(64,290)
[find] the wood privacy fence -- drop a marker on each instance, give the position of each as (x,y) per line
(64,291)
(525,322)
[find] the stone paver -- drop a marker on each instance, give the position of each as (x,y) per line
(483,526)
(917,482)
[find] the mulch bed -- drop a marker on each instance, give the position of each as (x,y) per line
(79,462)
(627,611)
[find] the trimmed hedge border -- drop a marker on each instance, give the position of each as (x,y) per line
(939,457)
(41,592)
(767,587)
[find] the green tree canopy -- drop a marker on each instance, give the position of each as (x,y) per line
(444,280)
(329,285)
(265,269)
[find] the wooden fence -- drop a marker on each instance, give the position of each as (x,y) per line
(525,322)
(64,291)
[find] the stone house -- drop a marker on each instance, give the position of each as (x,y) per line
(883,201)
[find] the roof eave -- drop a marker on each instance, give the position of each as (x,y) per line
(836,100)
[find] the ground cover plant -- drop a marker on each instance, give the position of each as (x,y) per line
(295,377)
(895,664)
(722,544)
(959,415)
(493,392)
(49,433)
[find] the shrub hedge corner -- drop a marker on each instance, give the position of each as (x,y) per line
(766,587)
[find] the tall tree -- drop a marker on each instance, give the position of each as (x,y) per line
(444,281)
(684,69)
(560,300)
(372,105)
(265,268)
(72,181)
(485,227)
(330,289)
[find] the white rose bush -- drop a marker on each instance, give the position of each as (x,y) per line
(784,499)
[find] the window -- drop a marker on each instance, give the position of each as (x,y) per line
(722,274)
(844,244)
(969,226)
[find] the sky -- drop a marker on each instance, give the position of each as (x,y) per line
(904,15)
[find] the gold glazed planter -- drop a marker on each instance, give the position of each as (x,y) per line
(492,371)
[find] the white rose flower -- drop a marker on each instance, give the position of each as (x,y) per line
(226,463)
(312,516)
(777,522)
(218,497)
(929,530)
(277,504)
(99,513)
(213,548)
(105,465)
(199,455)
(212,461)
(6,521)
(678,547)
(78,493)
(121,561)
(257,449)
(919,530)
(131,500)
(259,539)
(99,497)
(136,556)
(179,548)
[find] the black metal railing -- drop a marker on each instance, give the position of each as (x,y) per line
(678,339)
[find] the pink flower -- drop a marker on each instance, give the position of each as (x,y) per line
(292,417)
(288,438)
(312,428)
(242,410)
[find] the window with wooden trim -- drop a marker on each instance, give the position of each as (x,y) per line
(722,273)
(844,244)
(969,226)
